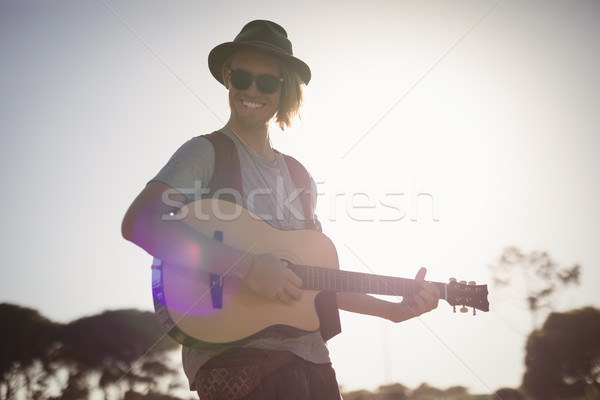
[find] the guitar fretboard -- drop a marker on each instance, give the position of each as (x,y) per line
(327,279)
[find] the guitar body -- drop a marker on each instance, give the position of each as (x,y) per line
(194,307)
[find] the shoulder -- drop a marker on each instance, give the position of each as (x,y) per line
(192,161)
(217,139)
(200,143)
(193,149)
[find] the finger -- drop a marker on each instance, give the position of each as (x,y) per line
(286,298)
(281,298)
(293,292)
(429,288)
(427,300)
(294,279)
(426,286)
(421,274)
(435,292)
(419,305)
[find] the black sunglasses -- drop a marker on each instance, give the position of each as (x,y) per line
(242,79)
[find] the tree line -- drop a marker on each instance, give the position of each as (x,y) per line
(562,363)
(124,354)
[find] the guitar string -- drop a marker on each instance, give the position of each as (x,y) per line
(321,278)
(373,272)
(443,296)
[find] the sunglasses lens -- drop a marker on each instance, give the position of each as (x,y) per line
(242,79)
(267,83)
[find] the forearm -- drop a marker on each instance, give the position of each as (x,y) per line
(175,243)
(423,300)
(369,305)
(149,224)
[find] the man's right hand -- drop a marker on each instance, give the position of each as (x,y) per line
(269,276)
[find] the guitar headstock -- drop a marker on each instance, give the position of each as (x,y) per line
(467,295)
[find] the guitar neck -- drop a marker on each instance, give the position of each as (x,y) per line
(333,280)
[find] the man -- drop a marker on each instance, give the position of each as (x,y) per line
(265,82)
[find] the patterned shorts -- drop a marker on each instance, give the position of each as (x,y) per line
(253,374)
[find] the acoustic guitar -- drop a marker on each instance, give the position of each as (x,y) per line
(196,306)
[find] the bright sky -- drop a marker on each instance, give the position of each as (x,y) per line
(478,121)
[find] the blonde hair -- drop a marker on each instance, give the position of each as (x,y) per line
(291,97)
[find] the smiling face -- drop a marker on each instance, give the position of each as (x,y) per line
(250,108)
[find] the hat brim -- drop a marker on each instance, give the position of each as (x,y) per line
(219,55)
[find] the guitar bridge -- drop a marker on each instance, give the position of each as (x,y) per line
(216,290)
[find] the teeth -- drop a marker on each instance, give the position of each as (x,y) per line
(249,104)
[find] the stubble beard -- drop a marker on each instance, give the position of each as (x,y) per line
(253,122)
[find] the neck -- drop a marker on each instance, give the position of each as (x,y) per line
(256,139)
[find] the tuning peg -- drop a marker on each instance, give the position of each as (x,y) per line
(472,283)
(453,280)
(464,309)
(463,282)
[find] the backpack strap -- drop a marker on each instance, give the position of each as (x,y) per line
(227,173)
(302,180)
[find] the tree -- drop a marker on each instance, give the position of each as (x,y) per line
(426,392)
(29,346)
(124,352)
(507,394)
(563,357)
(542,277)
(394,391)
(457,392)
(124,348)
(359,395)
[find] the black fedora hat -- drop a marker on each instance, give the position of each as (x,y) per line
(258,35)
